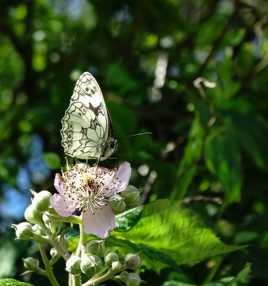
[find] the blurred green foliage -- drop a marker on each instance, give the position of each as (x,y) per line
(157,63)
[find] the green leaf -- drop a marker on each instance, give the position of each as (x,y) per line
(169,235)
(13,282)
(52,160)
(242,278)
(252,133)
(222,155)
(128,219)
(192,154)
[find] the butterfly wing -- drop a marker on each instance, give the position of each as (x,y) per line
(85,125)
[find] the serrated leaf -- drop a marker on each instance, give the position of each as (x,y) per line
(222,155)
(170,235)
(128,219)
(13,282)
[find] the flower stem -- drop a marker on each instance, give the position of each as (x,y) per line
(95,281)
(70,219)
(49,272)
(76,280)
(82,239)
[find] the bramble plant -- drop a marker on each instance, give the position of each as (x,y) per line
(83,200)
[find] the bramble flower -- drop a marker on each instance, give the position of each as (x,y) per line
(87,189)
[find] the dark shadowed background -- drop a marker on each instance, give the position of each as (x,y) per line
(193,73)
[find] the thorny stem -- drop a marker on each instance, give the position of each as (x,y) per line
(94,281)
(49,272)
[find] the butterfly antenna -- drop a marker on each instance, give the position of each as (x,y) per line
(141,133)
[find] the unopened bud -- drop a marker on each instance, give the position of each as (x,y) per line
(23,230)
(133,279)
(53,252)
(32,214)
(116,266)
(37,230)
(131,196)
(31,263)
(73,264)
(123,276)
(110,258)
(90,264)
(41,200)
(117,203)
(133,261)
(46,219)
(96,247)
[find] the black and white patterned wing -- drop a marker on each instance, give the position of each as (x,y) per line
(85,125)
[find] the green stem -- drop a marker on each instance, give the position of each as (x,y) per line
(82,240)
(61,250)
(214,270)
(70,219)
(50,275)
(95,281)
(76,280)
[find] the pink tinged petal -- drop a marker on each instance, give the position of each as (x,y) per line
(61,206)
(99,223)
(122,176)
(59,183)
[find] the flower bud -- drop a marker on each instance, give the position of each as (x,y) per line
(53,252)
(131,196)
(133,261)
(116,266)
(90,264)
(23,230)
(46,219)
(123,276)
(41,200)
(133,279)
(110,258)
(117,203)
(96,247)
(37,230)
(31,263)
(73,264)
(32,214)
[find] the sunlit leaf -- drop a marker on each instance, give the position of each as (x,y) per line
(168,234)
(13,282)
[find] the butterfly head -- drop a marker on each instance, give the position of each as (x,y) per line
(110,148)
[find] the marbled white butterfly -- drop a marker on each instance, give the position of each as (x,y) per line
(86,126)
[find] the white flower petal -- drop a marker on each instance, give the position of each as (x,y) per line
(61,206)
(123,176)
(59,183)
(99,223)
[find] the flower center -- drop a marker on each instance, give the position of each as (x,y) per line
(84,189)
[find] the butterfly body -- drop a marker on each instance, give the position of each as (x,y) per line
(86,127)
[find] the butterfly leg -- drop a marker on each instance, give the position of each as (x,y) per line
(97,164)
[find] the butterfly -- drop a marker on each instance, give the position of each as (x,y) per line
(86,125)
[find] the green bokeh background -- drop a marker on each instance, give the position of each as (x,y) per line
(193,73)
